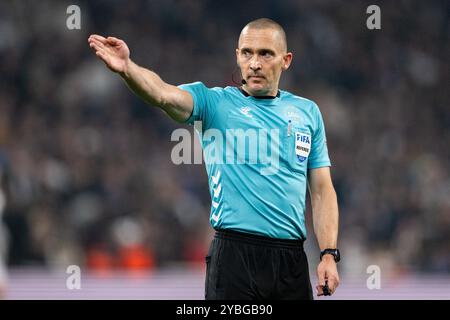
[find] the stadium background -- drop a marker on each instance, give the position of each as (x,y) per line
(86,169)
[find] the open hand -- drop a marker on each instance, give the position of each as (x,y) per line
(113,52)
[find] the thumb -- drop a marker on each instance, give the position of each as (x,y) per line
(113,40)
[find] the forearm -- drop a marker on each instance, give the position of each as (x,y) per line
(144,83)
(153,90)
(325,217)
(326,221)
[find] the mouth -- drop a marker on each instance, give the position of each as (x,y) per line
(256,77)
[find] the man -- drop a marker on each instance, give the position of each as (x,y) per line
(257,209)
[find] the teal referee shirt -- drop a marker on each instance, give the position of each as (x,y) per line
(257,152)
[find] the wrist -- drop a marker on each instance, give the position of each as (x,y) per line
(128,65)
(330,253)
(327,257)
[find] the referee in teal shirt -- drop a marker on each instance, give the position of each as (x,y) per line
(262,147)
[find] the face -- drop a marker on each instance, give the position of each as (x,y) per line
(262,57)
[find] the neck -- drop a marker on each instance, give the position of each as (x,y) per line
(271,93)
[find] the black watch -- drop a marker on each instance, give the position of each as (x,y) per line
(334,252)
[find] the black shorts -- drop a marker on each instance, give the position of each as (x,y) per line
(242,266)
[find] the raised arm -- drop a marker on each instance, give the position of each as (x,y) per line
(177,103)
(326,221)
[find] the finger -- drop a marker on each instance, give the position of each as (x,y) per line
(113,40)
(102,56)
(98,43)
(96,47)
(332,285)
(321,277)
(98,38)
(93,44)
(103,51)
(319,291)
(335,283)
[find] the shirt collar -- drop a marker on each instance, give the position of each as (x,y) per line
(259,97)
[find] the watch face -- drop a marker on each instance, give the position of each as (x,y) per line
(337,255)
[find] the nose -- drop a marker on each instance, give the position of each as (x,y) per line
(255,64)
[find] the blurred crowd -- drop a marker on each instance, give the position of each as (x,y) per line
(85,166)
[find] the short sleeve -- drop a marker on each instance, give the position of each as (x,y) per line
(319,150)
(205,102)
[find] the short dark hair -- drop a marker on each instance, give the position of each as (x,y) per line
(266,23)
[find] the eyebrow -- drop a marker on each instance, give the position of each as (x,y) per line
(262,50)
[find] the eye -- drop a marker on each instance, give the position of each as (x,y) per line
(266,54)
(246,53)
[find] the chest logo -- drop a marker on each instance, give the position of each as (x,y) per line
(246,111)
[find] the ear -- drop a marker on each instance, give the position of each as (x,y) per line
(237,57)
(287,59)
